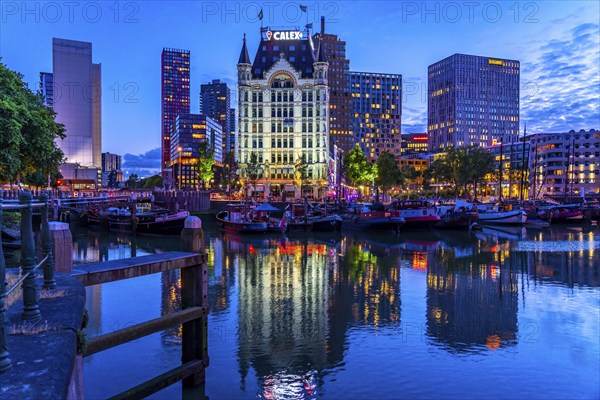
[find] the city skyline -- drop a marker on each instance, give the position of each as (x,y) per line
(559,74)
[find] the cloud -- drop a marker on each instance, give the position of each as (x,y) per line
(143,164)
(560,81)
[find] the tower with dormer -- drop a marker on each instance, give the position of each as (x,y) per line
(283,111)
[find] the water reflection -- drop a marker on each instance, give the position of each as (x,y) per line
(298,303)
(472,302)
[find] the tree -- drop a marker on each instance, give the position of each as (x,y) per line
(229,176)
(357,168)
(409,174)
(27,132)
(253,170)
(132,182)
(153,181)
(206,154)
(301,173)
(388,173)
(479,163)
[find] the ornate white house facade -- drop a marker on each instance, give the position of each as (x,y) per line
(283,109)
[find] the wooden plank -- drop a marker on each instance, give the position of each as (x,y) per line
(162,381)
(134,332)
(97,273)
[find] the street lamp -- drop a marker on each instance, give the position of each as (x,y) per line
(179,149)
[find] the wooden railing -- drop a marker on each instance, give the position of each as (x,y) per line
(28,266)
(192,316)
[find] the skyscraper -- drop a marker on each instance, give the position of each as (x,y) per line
(232,130)
(338,80)
(283,112)
(189,130)
(175,69)
(472,100)
(47,88)
(377,107)
(215,101)
(77,99)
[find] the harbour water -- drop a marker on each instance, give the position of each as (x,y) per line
(502,313)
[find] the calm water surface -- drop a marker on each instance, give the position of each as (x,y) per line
(511,313)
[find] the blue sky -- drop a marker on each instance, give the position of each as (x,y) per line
(557,42)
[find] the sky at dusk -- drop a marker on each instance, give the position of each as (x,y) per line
(557,42)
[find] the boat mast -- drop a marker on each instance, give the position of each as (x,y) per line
(500,169)
(523,163)
(572,167)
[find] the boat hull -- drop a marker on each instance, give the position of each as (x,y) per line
(462,221)
(328,223)
(392,224)
(517,217)
(239,227)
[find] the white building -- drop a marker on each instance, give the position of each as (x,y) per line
(564,164)
(77,98)
(283,114)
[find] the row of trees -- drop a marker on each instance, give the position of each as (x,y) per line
(28,152)
(383,174)
(464,168)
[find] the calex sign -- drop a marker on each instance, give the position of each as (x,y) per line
(282,35)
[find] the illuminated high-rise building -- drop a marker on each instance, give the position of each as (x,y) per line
(78,106)
(377,107)
(215,101)
(47,88)
(283,112)
(175,95)
(472,100)
(338,80)
(189,130)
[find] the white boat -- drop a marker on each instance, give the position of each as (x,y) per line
(500,214)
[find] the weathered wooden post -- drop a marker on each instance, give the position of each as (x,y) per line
(31,310)
(194,292)
(5,362)
(49,281)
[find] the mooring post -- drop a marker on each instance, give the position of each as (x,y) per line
(5,362)
(194,292)
(31,310)
(49,281)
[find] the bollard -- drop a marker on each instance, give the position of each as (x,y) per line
(194,292)
(62,246)
(31,310)
(49,281)
(5,362)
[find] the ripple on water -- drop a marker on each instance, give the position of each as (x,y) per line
(288,385)
(557,245)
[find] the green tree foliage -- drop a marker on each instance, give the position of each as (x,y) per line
(153,181)
(301,173)
(409,175)
(357,168)
(229,175)
(206,159)
(388,173)
(253,170)
(463,167)
(132,182)
(27,132)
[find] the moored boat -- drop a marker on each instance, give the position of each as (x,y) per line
(238,218)
(367,219)
(500,214)
(461,215)
(417,214)
(162,224)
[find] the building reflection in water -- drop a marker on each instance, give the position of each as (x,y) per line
(294,299)
(472,301)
